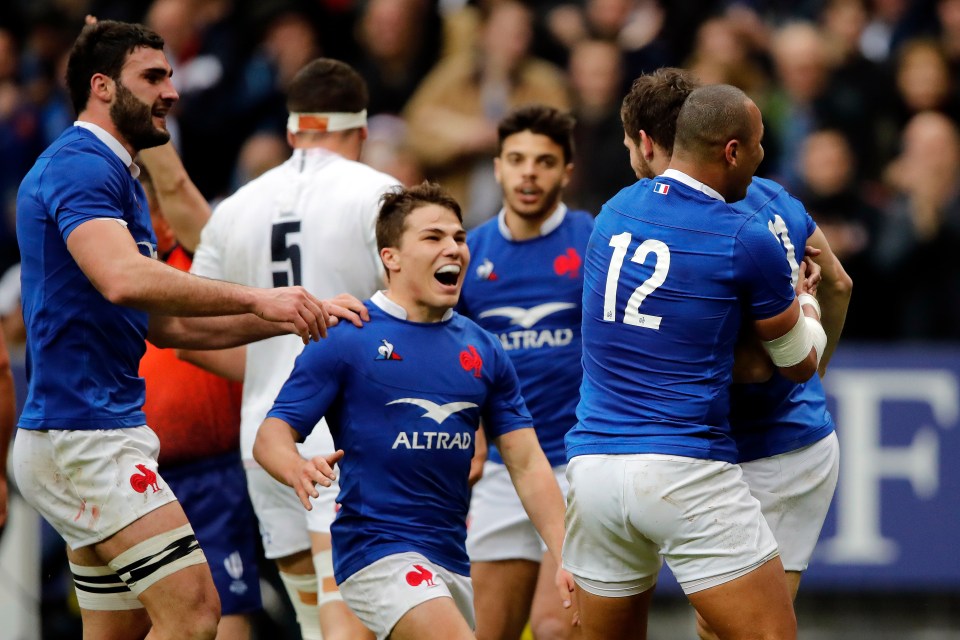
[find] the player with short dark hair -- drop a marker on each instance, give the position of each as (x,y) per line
(670,270)
(526,288)
(785,437)
(310,220)
(404,398)
(92,292)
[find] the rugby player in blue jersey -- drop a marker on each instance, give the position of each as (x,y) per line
(670,272)
(525,286)
(784,434)
(92,292)
(404,398)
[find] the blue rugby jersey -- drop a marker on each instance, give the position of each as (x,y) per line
(404,401)
(779,415)
(668,272)
(528,293)
(83,352)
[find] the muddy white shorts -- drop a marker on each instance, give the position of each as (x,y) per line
(284,523)
(795,490)
(89,484)
(498,526)
(382,592)
(624,511)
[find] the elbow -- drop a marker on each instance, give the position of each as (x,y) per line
(803,370)
(117,290)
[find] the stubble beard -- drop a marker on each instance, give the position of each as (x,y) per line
(134,120)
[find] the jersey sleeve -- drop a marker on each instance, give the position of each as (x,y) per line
(505,409)
(208,260)
(83,188)
(762,272)
(311,388)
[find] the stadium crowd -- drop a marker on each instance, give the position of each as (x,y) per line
(860,100)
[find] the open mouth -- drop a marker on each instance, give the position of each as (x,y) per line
(448,274)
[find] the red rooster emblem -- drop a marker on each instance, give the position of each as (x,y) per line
(471,361)
(567,264)
(420,576)
(141,481)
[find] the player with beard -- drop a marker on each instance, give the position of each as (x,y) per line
(526,287)
(92,292)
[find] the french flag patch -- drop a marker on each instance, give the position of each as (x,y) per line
(661,188)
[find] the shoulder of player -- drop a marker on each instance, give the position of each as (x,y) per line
(79,157)
(475,333)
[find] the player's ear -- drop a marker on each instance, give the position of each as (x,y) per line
(646,146)
(496,170)
(391,260)
(730,152)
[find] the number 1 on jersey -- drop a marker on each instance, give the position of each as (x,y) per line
(632,315)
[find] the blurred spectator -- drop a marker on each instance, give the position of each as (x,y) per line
(803,68)
(453,114)
(387,150)
(400,43)
(721,55)
(830,192)
(20,142)
(635,26)
(861,86)
(600,170)
(893,22)
(924,81)
(919,238)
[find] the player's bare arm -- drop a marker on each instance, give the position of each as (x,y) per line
(109,257)
(184,207)
(540,495)
(275,449)
(833,293)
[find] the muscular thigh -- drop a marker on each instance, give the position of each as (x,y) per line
(90,484)
(795,490)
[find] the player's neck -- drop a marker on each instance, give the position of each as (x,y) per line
(709,174)
(417,311)
(105,122)
(526,227)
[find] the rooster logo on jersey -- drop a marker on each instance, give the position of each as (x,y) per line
(485,270)
(568,264)
(385,351)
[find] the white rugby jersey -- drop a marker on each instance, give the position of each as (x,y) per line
(310,222)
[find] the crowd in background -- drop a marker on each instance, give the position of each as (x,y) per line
(860,103)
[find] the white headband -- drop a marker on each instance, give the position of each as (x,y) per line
(321,122)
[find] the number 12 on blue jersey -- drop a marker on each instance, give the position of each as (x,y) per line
(632,315)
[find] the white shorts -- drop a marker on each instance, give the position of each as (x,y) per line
(284,523)
(381,593)
(625,511)
(498,526)
(89,484)
(795,490)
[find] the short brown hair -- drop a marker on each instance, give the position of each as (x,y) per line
(397,204)
(326,85)
(653,104)
(540,119)
(103,47)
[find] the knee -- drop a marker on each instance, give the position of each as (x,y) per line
(551,628)
(203,621)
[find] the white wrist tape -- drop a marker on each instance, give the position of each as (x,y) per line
(321,122)
(806,298)
(819,336)
(793,346)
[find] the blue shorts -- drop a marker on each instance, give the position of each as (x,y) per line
(213,494)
